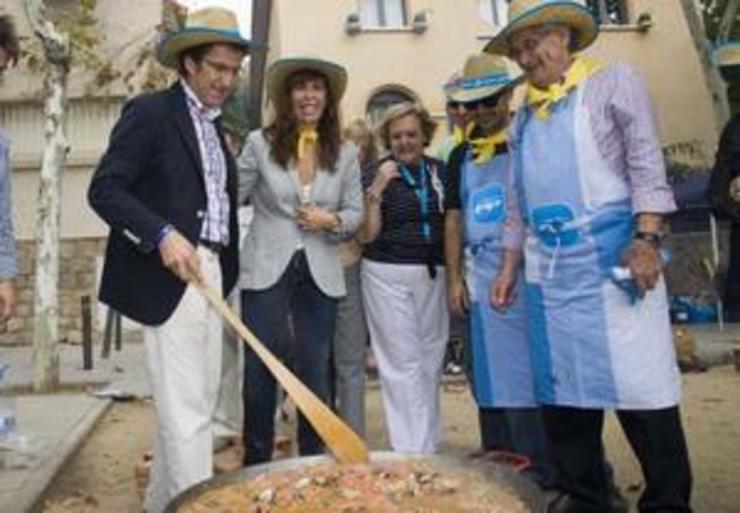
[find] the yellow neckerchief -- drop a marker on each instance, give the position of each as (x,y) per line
(541,100)
(307,139)
(484,148)
(460,135)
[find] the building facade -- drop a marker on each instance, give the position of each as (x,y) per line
(393,49)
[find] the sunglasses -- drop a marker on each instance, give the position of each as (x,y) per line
(454,105)
(488,102)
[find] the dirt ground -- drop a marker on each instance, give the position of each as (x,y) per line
(100,477)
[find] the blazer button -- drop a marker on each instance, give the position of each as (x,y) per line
(200,214)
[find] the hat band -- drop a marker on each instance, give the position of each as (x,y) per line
(487,81)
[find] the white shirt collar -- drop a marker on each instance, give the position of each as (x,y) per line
(209,113)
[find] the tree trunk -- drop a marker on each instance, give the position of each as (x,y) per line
(46,301)
(711,74)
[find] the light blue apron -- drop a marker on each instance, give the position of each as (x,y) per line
(501,361)
(592,346)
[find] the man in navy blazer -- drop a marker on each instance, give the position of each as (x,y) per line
(167,187)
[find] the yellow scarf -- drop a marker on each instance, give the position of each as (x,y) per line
(541,100)
(307,139)
(484,148)
(460,135)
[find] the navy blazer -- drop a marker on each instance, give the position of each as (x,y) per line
(151,175)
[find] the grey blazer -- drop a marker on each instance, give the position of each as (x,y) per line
(274,234)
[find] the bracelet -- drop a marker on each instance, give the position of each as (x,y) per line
(653,238)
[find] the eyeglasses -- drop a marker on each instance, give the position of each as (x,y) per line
(454,105)
(221,70)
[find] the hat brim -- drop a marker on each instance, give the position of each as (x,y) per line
(281,69)
(463,95)
(577,17)
(173,45)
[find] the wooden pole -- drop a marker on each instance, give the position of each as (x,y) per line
(261,16)
(87,353)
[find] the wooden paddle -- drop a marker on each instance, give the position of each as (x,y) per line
(344,444)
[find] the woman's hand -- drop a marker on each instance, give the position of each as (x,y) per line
(387,172)
(643,260)
(314,219)
(458,298)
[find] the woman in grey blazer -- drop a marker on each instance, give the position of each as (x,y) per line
(305,187)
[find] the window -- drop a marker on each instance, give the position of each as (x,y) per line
(609,12)
(493,12)
(382,100)
(383,13)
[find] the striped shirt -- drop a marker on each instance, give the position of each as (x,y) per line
(216,219)
(400,240)
(626,133)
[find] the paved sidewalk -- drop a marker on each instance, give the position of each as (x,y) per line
(61,422)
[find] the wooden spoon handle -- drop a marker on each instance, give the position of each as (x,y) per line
(342,441)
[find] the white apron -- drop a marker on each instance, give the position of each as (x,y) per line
(592,346)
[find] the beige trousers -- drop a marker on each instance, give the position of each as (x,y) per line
(184,363)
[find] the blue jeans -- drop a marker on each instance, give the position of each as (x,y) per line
(266,313)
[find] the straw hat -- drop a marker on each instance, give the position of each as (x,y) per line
(574,14)
(451,86)
(281,69)
(203,26)
(484,75)
(727,59)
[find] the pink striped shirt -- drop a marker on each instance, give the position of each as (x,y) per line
(626,133)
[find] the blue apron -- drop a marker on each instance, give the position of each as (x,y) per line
(500,349)
(592,345)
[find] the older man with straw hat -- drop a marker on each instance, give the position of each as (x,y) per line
(166,185)
(591,189)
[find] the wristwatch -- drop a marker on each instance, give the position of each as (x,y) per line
(654,238)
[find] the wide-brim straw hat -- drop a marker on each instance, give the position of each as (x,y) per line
(727,59)
(280,70)
(203,26)
(484,75)
(523,14)
(451,86)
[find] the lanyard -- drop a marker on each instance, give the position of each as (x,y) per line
(422,193)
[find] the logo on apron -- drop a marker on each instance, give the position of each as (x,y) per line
(488,205)
(554,225)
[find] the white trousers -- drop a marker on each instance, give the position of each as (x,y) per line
(184,363)
(409,327)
